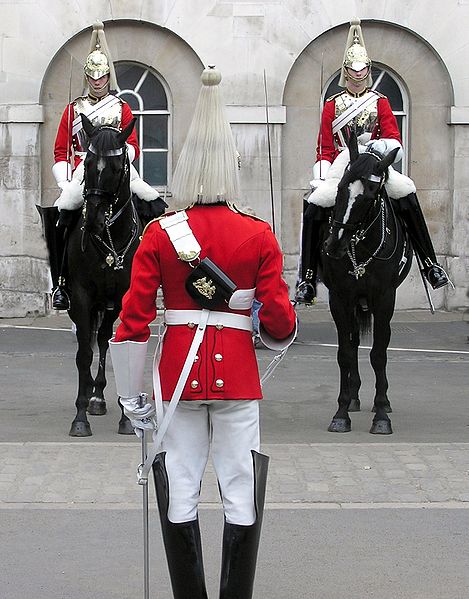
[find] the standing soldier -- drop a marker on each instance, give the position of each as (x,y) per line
(210,259)
(71,145)
(361,109)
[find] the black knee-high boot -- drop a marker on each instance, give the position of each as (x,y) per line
(313,219)
(181,541)
(409,209)
(240,543)
(56,241)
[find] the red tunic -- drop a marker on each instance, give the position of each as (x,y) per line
(385,126)
(247,250)
(64,133)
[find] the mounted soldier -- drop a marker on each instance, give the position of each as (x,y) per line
(361,109)
(210,259)
(71,144)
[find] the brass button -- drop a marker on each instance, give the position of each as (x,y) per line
(196,359)
(194,384)
(191,325)
(218,357)
(219,383)
(219,326)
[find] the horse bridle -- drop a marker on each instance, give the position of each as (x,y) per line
(113,195)
(113,258)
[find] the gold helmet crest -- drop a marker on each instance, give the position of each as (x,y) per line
(99,61)
(355,57)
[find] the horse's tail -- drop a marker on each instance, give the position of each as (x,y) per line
(363,315)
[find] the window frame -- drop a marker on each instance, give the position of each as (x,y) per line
(141,112)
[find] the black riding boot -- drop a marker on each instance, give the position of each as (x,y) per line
(313,218)
(181,541)
(55,236)
(240,543)
(409,209)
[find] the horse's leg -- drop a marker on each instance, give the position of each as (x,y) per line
(355,381)
(381,424)
(343,317)
(84,357)
(97,402)
(97,405)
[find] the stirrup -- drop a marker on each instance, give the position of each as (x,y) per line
(60,299)
(436,276)
(305,294)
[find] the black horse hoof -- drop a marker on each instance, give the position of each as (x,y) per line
(125,427)
(80,429)
(97,406)
(340,425)
(381,427)
(354,405)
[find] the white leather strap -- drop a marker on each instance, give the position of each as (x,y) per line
(215,319)
(181,236)
(144,469)
(242,299)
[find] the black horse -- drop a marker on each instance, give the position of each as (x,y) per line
(100,252)
(365,257)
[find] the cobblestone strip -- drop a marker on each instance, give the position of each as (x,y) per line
(104,474)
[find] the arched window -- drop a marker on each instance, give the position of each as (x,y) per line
(147,97)
(387,84)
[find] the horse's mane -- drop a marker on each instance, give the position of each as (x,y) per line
(106,138)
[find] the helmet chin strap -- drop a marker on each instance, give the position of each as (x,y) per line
(98,93)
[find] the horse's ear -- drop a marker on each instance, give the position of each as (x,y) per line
(353,146)
(88,126)
(385,162)
(124,134)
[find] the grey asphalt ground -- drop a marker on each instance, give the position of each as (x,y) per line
(347,515)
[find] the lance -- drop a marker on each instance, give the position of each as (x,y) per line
(269,152)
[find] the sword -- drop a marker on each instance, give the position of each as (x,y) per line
(146,545)
(321,84)
(270,155)
(69,123)
(425,285)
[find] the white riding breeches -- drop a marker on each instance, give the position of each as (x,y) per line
(229,430)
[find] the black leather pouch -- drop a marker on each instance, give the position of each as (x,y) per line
(208,285)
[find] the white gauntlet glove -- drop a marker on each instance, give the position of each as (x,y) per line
(140,412)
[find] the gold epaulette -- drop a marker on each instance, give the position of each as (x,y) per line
(334,96)
(239,210)
(378,93)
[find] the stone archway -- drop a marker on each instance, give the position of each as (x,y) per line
(430,91)
(134,41)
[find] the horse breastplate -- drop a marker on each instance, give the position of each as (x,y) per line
(112,117)
(363,122)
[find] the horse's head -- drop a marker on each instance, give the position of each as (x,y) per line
(357,193)
(106,173)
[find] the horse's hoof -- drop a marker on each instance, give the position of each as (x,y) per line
(354,405)
(381,427)
(125,427)
(340,425)
(80,429)
(97,406)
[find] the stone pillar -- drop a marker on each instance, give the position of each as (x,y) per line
(24,280)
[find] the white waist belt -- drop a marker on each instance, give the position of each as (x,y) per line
(215,319)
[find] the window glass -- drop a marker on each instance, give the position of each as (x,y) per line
(155,165)
(155,131)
